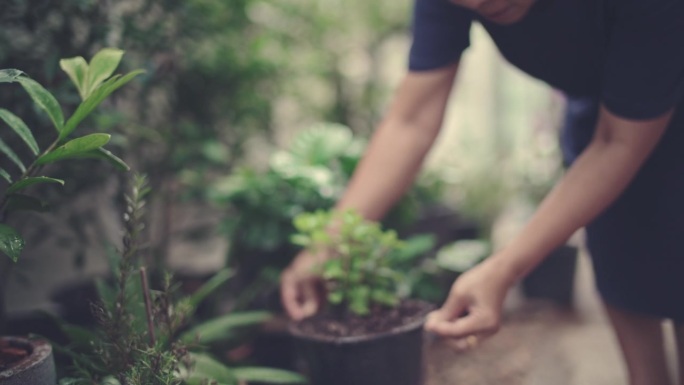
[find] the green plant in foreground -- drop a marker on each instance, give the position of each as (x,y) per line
(359,269)
(147,337)
(95,83)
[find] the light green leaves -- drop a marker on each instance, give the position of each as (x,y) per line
(94,100)
(359,270)
(77,69)
(206,368)
(94,82)
(75,148)
(11,242)
(267,375)
(88,77)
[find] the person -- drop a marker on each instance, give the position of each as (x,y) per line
(621,65)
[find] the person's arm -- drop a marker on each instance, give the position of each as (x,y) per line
(595,180)
(389,166)
(399,145)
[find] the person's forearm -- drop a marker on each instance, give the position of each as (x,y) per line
(596,179)
(389,166)
(398,148)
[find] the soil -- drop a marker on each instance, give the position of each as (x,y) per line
(11,354)
(381,320)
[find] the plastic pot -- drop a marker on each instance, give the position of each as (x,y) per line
(38,368)
(391,358)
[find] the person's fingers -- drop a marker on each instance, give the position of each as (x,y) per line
(475,323)
(289,295)
(308,302)
(461,344)
(454,306)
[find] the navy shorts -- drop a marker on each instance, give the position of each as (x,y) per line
(637,244)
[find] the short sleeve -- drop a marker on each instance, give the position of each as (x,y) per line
(441,32)
(644,65)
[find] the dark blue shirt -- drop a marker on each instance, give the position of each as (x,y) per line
(627,53)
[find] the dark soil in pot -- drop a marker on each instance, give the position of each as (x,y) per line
(24,362)
(383,348)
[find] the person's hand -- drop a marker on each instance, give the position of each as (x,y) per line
(301,289)
(473,308)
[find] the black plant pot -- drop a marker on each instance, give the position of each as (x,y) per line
(554,278)
(391,358)
(38,368)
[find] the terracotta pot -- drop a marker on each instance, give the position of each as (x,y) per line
(38,368)
(391,358)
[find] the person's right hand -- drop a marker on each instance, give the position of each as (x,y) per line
(301,289)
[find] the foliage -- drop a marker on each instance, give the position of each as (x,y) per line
(95,82)
(359,271)
(311,174)
(144,336)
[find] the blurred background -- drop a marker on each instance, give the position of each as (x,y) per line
(250,112)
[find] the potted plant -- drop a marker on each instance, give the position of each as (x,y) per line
(23,360)
(367,333)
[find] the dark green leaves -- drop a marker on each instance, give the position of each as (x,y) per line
(11,242)
(20,128)
(206,368)
(22,184)
(223,328)
(5,149)
(10,75)
(44,100)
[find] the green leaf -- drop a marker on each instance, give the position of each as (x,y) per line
(20,128)
(209,287)
(5,175)
(10,75)
(204,367)
(94,100)
(222,328)
(44,100)
(17,202)
(385,297)
(335,297)
(75,148)
(11,243)
(77,69)
(268,375)
(110,380)
(23,183)
(101,153)
(4,148)
(102,66)
(79,337)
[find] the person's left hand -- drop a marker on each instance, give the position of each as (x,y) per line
(473,308)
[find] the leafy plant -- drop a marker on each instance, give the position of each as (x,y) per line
(359,271)
(309,175)
(146,337)
(95,82)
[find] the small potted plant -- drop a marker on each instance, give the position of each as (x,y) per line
(367,333)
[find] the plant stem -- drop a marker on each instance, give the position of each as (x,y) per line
(148,305)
